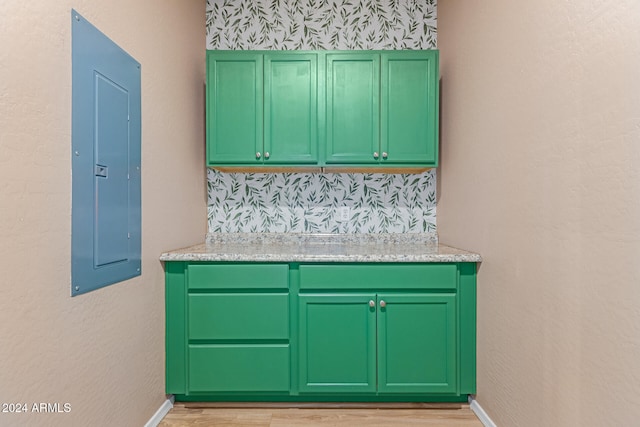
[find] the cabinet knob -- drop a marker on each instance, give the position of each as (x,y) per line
(372,303)
(258,155)
(375,155)
(382,303)
(266,154)
(384,155)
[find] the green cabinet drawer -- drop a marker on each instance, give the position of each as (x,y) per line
(239,368)
(238,276)
(382,276)
(238,316)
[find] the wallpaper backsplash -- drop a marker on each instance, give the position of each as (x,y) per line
(296,202)
(311,202)
(323,25)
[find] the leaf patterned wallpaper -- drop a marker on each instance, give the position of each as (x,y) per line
(297,202)
(305,202)
(324,25)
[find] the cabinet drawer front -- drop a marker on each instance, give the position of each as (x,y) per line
(238,276)
(376,276)
(239,316)
(231,368)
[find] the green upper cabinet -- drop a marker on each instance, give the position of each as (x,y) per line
(353,99)
(234,107)
(290,108)
(382,108)
(409,108)
(262,108)
(337,108)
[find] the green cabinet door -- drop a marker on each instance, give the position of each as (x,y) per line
(290,108)
(417,350)
(337,343)
(409,107)
(352,112)
(234,107)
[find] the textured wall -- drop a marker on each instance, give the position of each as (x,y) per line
(380,203)
(541,175)
(103,352)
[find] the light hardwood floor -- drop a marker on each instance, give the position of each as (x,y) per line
(272,415)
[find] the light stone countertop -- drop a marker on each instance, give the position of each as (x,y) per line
(296,247)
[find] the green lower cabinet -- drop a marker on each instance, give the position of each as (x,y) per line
(320,331)
(337,345)
(417,343)
(228,328)
(389,343)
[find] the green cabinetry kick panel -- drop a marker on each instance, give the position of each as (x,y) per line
(317,108)
(320,331)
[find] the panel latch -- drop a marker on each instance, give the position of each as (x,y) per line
(101,171)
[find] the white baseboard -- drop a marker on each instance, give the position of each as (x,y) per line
(482,416)
(161,412)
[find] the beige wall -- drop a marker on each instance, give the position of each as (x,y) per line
(541,175)
(102,352)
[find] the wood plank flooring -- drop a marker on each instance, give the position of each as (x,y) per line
(341,415)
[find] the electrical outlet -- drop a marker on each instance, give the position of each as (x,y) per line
(344,213)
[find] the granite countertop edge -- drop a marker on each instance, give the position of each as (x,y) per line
(300,247)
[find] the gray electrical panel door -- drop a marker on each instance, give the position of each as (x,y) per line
(106,132)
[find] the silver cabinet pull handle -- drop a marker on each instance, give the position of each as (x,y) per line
(258,155)
(375,155)
(382,303)
(266,154)
(372,303)
(384,155)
